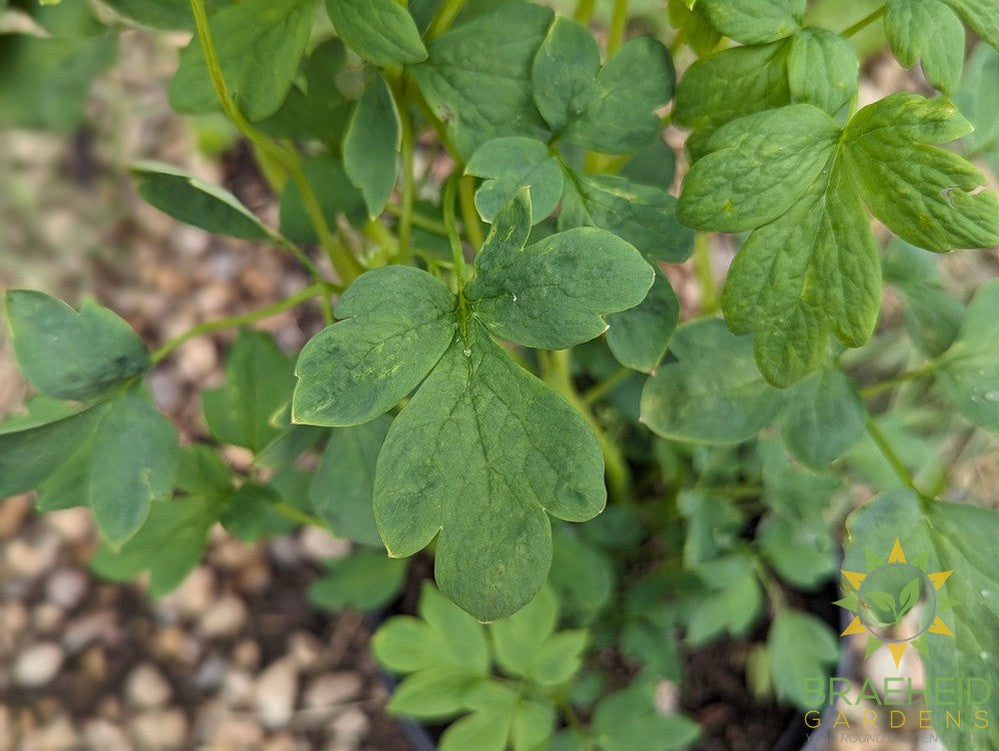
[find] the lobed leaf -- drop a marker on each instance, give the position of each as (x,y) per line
(930,30)
(754,21)
(371,145)
(513,163)
(802,648)
(380,31)
(824,416)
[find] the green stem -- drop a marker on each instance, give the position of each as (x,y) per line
(584,11)
(241,320)
(706,277)
(893,459)
(910,375)
(457,254)
(344,263)
(303,259)
(607,385)
(619,22)
(290,512)
(418,220)
(557,373)
(770,585)
(469,214)
(445,16)
(863,23)
(408,181)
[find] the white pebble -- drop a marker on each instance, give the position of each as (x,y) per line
(38,664)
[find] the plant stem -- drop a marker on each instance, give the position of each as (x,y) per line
(706,277)
(303,259)
(469,214)
(619,22)
(224,323)
(445,16)
(863,23)
(457,254)
(290,512)
(345,265)
(584,11)
(910,375)
(607,385)
(408,181)
(557,373)
(893,459)
(418,220)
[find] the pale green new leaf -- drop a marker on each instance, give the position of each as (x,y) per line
(978,100)
(380,31)
(396,323)
(930,30)
(754,21)
(953,537)
(713,392)
(553,294)
(643,215)
(259,381)
(259,45)
(497,48)
(343,488)
(437,693)
(823,418)
(970,368)
(72,355)
(802,648)
(371,146)
(511,164)
(629,720)
(366,580)
(133,463)
(471,457)
(194,201)
(927,195)
(822,69)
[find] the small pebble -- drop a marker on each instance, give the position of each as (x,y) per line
(102,735)
(350,726)
(193,596)
(274,695)
(66,587)
(159,729)
(333,690)
(319,545)
(146,687)
(224,618)
(38,664)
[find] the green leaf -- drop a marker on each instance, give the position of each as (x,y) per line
(510,164)
(959,538)
(380,31)
(822,69)
(334,193)
(754,21)
(930,30)
(642,215)
(489,726)
(200,470)
(713,525)
(639,337)
(553,294)
(981,16)
(581,574)
(192,200)
(66,487)
(168,545)
(34,447)
(533,725)
(801,550)
(823,418)
(811,268)
(442,635)
(132,465)
(713,392)
(607,109)
(72,355)
(437,693)
(927,195)
(563,76)
(46,81)
(497,47)
(259,380)
(698,32)
(249,513)
(629,720)
(371,146)
(366,580)
(932,315)
(728,85)
(969,371)
(343,487)
(655,165)
(472,457)
(378,352)
(730,600)
(169,15)
(802,648)
(276,31)
(978,101)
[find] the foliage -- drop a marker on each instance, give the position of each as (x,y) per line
(481,395)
